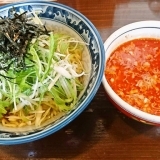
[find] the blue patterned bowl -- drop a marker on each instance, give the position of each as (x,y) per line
(64,18)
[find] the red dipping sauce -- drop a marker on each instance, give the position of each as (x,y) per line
(133,72)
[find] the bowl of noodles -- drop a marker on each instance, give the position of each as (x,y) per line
(132,72)
(52,63)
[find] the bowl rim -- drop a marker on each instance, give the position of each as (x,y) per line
(48,131)
(153,24)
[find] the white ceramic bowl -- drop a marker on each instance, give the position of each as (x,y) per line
(69,20)
(142,29)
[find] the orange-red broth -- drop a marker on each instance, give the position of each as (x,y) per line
(133,72)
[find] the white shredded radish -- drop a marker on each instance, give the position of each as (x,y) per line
(63,72)
(54,81)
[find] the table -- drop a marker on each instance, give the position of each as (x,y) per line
(101,131)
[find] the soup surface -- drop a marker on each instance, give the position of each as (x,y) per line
(133,72)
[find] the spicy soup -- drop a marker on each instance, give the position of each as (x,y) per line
(133,72)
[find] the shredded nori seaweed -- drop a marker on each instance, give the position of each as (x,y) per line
(16,32)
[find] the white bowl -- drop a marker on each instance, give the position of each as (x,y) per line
(142,29)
